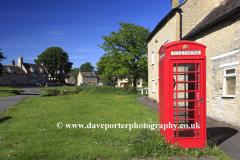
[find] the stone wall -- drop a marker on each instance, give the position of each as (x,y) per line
(167,33)
(222,41)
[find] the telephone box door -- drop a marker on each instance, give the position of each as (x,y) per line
(186,94)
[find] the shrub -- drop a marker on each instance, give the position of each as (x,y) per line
(53,92)
(145,84)
(106,90)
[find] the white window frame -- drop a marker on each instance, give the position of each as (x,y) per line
(153,57)
(227,67)
(153,85)
(166,41)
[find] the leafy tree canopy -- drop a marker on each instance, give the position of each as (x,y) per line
(55,59)
(125,53)
(86,67)
(1,58)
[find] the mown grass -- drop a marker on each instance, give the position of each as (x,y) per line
(29,130)
(8,91)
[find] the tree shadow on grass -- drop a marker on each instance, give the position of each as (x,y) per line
(4,119)
(218,135)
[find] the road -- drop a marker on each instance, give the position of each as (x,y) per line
(7,102)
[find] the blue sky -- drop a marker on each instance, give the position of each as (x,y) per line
(28,27)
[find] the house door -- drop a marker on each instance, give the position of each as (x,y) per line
(186,91)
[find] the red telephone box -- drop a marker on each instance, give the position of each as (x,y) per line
(182,93)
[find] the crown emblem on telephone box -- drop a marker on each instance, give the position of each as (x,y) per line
(185,47)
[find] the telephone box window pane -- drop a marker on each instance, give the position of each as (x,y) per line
(186,76)
(187,114)
(174,67)
(186,86)
(188,133)
(230,84)
(186,96)
(186,67)
(197,76)
(197,66)
(183,105)
(230,71)
(175,105)
(188,105)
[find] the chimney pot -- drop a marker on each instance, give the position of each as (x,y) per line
(13,62)
(175,3)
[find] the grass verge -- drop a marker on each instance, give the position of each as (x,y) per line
(29,130)
(8,91)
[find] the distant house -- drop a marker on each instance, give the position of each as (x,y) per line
(23,74)
(71,79)
(89,78)
(124,83)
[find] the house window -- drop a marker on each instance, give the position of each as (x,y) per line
(229,82)
(22,75)
(11,71)
(43,76)
(3,70)
(229,79)
(153,85)
(138,83)
(71,77)
(22,81)
(89,78)
(153,57)
(3,80)
(42,71)
(33,75)
(43,82)
(85,78)
(33,70)
(93,79)
(15,81)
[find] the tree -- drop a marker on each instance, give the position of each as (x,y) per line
(86,67)
(125,53)
(1,66)
(74,72)
(55,59)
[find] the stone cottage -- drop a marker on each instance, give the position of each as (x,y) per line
(88,78)
(23,74)
(216,24)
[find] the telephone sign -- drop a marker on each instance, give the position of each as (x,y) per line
(182,93)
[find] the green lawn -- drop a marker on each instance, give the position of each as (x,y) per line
(8,91)
(29,130)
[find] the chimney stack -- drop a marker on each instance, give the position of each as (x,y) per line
(13,62)
(175,3)
(20,62)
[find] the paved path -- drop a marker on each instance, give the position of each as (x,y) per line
(225,136)
(7,102)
